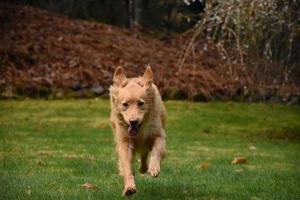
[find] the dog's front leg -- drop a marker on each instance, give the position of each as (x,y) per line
(126,156)
(157,153)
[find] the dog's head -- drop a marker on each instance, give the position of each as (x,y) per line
(132,98)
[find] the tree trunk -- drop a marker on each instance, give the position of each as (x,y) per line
(130,4)
(138,11)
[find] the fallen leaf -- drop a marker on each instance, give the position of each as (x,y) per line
(90,186)
(252,148)
(239,160)
(102,125)
(70,156)
(41,163)
(28,190)
(239,171)
(204,165)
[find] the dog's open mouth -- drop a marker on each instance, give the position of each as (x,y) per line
(133,129)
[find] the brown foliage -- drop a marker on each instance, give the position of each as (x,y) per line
(239,160)
(39,49)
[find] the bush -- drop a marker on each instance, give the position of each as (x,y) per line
(259,40)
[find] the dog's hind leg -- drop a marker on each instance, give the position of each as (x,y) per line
(143,164)
(157,153)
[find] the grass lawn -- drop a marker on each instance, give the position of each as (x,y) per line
(48,149)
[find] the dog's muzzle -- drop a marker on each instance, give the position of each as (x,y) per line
(133,128)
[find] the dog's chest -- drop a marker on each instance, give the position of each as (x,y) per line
(142,143)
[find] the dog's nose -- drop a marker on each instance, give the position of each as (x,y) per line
(134,122)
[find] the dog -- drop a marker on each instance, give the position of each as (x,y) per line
(138,119)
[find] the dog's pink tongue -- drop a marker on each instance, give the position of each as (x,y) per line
(132,131)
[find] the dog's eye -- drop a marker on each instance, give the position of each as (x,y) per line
(125,104)
(141,103)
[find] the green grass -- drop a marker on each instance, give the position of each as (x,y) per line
(48,149)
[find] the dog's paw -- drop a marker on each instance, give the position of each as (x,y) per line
(154,171)
(129,190)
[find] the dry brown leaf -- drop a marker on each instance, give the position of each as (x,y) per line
(239,160)
(102,125)
(204,165)
(90,186)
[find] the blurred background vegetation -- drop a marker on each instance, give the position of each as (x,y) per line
(267,30)
(240,49)
(172,15)
(254,37)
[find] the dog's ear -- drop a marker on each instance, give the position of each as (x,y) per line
(148,77)
(119,76)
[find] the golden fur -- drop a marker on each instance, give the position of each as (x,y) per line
(138,119)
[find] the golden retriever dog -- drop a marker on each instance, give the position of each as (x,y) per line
(138,120)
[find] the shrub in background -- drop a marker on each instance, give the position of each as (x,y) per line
(258,40)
